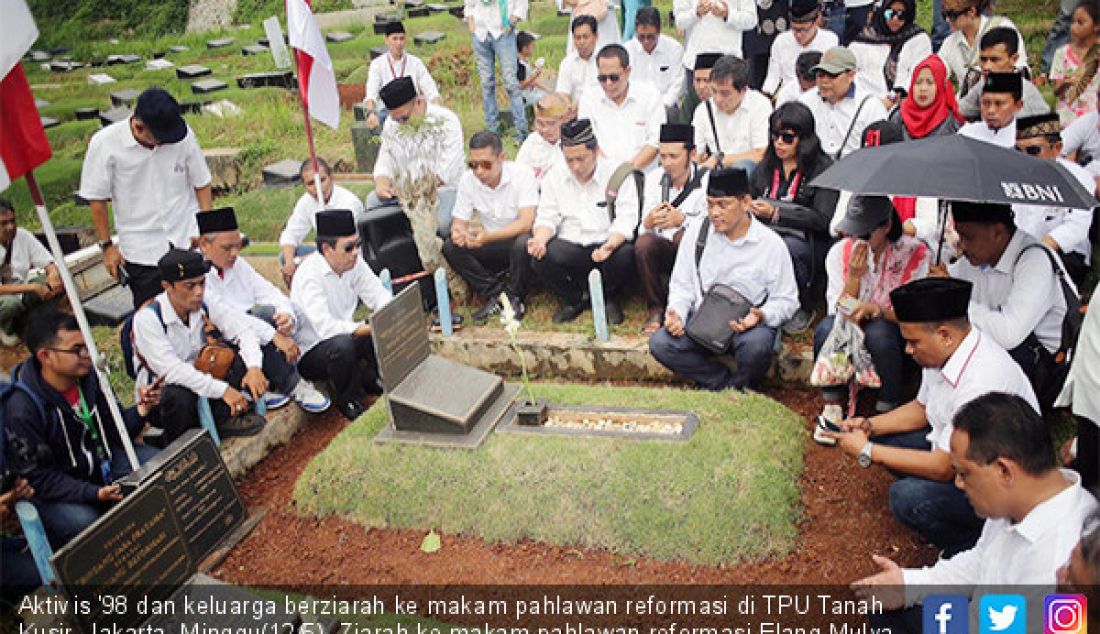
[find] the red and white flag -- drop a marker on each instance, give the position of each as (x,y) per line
(316,78)
(23,144)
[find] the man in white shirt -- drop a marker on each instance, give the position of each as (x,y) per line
(396,63)
(674,197)
(232,280)
(1081,143)
(713,25)
(328,287)
(960,364)
(152,171)
(576,232)
(303,218)
(493,32)
(19,293)
(626,115)
(577,71)
(542,151)
(961,49)
(504,195)
(1081,572)
(1064,230)
(731,128)
(739,252)
(806,79)
(999,54)
(841,110)
(1018,300)
(697,82)
(1034,513)
(804,35)
(657,58)
(433,146)
(1001,103)
(169,334)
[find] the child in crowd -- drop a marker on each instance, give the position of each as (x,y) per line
(529,71)
(1074,68)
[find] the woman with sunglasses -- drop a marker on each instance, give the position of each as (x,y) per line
(873,258)
(969,21)
(784,199)
(889,48)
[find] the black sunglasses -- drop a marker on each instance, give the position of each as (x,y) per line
(611,77)
(351,246)
(786,136)
(893,14)
(1030,150)
(950,16)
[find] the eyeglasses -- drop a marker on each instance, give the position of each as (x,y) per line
(951,16)
(485,165)
(348,248)
(1030,150)
(611,77)
(893,14)
(646,37)
(786,136)
(79,350)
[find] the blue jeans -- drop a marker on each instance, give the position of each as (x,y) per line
(752,350)
(1059,34)
(940,28)
(938,511)
(65,520)
(808,258)
(883,340)
(504,49)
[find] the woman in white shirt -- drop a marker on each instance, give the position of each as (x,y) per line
(889,48)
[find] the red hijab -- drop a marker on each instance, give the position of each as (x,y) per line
(920,122)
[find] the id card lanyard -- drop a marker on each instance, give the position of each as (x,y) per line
(84,413)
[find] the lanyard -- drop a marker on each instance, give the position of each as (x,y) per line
(404,63)
(84,413)
(792,190)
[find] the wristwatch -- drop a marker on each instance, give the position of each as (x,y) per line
(864,457)
(106,243)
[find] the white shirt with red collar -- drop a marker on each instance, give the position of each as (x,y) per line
(977,367)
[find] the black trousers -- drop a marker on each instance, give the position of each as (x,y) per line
(1088,452)
(178,410)
(347,363)
(144,283)
(564,269)
(482,267)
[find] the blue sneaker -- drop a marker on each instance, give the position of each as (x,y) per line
(274,400)
(309,399)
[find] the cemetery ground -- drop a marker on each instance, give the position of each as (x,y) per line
(340,510)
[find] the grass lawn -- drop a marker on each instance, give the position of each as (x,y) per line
(728,494)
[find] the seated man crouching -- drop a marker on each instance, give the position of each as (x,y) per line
(739,252)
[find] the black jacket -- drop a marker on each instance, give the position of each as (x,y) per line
(811,210)
(57,455)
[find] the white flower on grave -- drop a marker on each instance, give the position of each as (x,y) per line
(508,315)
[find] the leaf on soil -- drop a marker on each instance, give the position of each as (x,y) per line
(431,542)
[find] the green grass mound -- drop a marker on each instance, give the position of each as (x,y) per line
(730,493)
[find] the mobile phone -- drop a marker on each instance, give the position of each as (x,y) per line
(827,424)
(847,304)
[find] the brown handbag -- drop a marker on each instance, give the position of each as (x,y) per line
(216,357)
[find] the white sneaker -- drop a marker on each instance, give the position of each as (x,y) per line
(275,400)
(834,414)
(309,398)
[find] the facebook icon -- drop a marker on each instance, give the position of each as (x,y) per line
(945,614)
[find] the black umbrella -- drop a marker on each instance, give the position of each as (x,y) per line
(955,167)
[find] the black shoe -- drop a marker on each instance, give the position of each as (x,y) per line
(518,307)
(351,409)
(614,312)
(491,308)
(248,424)
(456,322)
(567,313)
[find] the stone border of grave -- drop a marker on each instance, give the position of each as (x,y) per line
(602,421)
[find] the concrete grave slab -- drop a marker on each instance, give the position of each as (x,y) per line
(219,43)
(192,71)
(159,64)
(110,307)
(41,103)
(459,12)
(254,49)
(49,122)
(158,54)
(86,114)
(223,108)
(282,174)
(284,79)
(428,37)
(193,107)
(40,56)
(99,79)
(179,48)
(365,141)
(65,66)
(123,59)
(114,115)
(126,97)
(435,7)
(338,36)
(204,86)
(418,12)
(378,51)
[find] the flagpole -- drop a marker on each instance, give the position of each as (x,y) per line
(309,129)
(98,361)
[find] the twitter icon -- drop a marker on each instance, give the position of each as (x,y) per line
(1003,614)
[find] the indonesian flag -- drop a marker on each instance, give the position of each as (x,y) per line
(23,144)
(316,79)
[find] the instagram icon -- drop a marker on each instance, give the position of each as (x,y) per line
(1065,614)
